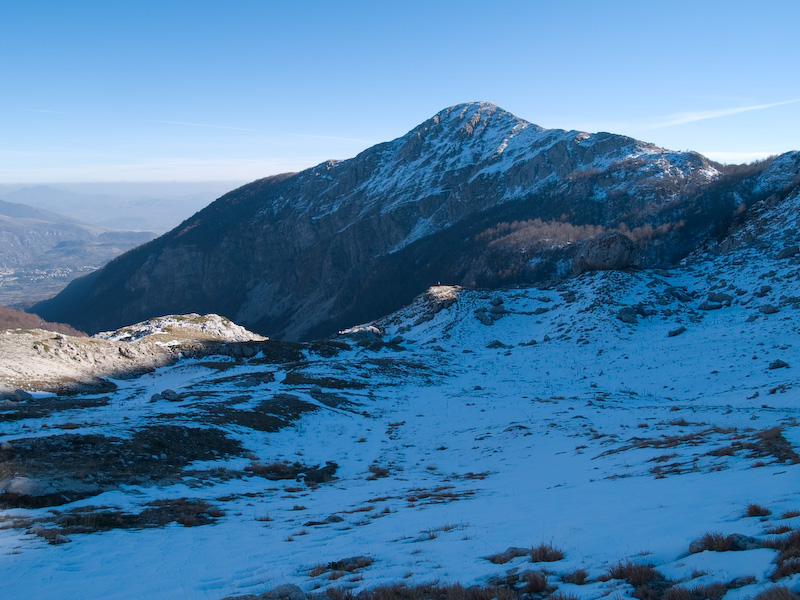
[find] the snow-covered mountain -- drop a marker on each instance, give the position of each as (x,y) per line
(623,434)
(474,196)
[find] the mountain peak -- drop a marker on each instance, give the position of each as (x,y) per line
(473,196)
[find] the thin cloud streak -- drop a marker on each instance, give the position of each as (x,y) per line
(332,137)
(207,125)
(48,112)
(692,117)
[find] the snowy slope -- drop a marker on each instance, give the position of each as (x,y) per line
(453,441)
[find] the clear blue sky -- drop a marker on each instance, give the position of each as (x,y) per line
(202,90)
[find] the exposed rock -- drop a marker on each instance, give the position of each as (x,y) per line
(763,291)
(710,306)
(496,344)
(679,294)
(170,395)
(767,309)
(497,301)
(627,315)
(483,317)
(677,331)
(365,334)
(788,252)
(778,364)
(719,297)
(605,252)
(740,543)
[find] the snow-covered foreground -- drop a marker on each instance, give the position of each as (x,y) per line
(559,424)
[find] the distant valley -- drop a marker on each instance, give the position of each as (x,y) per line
(49,235)
(41,252)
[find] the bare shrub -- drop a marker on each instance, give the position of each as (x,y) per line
(546,553)
(790,514)
(756,510)
(523,234)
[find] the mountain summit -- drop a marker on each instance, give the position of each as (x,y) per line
(474,196)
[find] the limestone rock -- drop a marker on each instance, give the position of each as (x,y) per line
(605,252)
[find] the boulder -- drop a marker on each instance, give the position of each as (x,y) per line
(710,306)
(719,297)
(22,396)
(677,331)
(285,592)
(606,252)
(768,309)
(778,364)
(788,252)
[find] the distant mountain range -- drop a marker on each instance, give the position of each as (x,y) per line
(127,206)
(41,251)
(473,196)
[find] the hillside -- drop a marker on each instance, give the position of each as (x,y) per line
(474,196)
(623,434)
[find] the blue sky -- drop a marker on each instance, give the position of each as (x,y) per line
(202,90)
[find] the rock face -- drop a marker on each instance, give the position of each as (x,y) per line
(606,252)
(473,196)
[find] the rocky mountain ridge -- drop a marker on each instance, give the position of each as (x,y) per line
(474,196)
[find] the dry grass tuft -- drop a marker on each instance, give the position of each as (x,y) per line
(678,593)
(637,574)
(777,593)
(535,582)
(577,577)
(778,530)
(712,591)
(756,510)
(546,553)
(714,541)
(790,514)
(789,557)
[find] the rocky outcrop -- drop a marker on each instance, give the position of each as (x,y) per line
(43,360)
